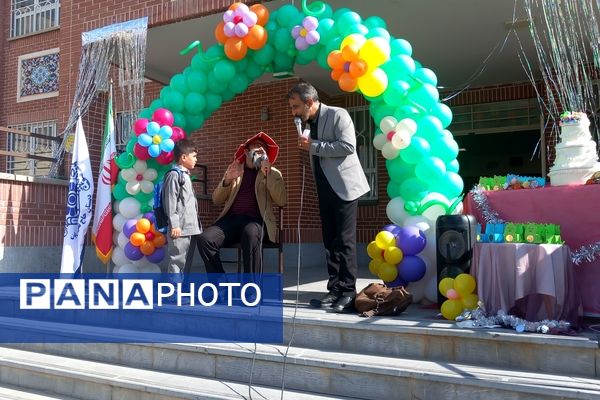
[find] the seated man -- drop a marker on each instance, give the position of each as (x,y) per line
(247,191)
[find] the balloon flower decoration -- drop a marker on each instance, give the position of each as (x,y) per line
(144,240)
(459,292)
(394,255)
(242,28)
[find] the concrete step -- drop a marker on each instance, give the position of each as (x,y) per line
(15,393)
(418,334)
(340,375)
(88,380)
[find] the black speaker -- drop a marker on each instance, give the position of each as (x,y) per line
(454,238)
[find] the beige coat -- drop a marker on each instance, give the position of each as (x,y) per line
(225,195)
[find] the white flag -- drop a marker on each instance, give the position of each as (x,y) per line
(79,204)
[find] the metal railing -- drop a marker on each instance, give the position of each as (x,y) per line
(31,16)
(34,148)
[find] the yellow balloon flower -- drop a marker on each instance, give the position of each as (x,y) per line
(385,239)
(387,272)
(445,285)
(374,251)
(451,309)
(464,284)
(393,255)
(374,267)
(470,301)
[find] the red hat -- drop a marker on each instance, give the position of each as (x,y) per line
(271,148)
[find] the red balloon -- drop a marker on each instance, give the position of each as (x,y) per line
(139,126)
(178,134)
(165,158)
(141,152)
(163,117)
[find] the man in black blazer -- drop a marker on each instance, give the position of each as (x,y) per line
(340,181)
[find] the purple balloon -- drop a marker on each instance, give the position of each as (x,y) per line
(157,256)
(132,252)
(391,228)
(149,215)
(412,268)
(411,240)
(396,282)
(129,227)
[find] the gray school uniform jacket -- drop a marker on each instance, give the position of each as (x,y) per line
(179,202)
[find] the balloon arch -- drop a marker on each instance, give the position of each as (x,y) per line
(362,57)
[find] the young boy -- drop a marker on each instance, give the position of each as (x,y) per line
(181,207)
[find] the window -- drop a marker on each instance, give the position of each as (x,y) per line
(503,116)
(123,128)
(367,154)
(31,16)
(32,145)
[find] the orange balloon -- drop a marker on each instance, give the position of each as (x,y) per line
(147,248)
(256,37)
(261,12)
(234,6)
(137,239)
(159,241)
(335,60)
(336,74)
(358,68)
(220,33)
(350,52)
(347,83)
(143,225)
(235,49)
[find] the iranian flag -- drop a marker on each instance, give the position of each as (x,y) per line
(102,229)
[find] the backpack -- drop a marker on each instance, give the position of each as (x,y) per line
(378,299)
(161,219)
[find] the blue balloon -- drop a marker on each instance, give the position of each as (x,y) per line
(154,150)
(152,128)
(396,282)
(167,145)
(412,268)
(411,240)
(165,132)
(145,140)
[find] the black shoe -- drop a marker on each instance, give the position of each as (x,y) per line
(344,304)
(326,301)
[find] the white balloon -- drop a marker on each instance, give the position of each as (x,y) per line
(128,174)
(150,174)
(142,262)
(407,125)
(122,240)
(140,166)
(116,269)
(395,211)
(379,141)
(146,186)
(401,140)
(431,289)
(129,269)
(129,207)
(132,187)
(419,221)
(150,269)
(115,238)
(387,124)
(118,256)
(389,152)
(118,222)
(433,212)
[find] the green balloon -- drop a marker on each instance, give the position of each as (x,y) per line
(425,75)
(283,40)
(356,28)
(339,12)
(378,32)
(195,103)
(195,122)
(283,63)
(152,163)
(254,71)
(426,95)
(443,113)
(131,145)
(399,66)
(406,111)
(399,171)
(416,151)
(224,71)
(333,44)
(288,16)
(453,166)
(143,197)
(146,209)
(326,30)
(119,192)
(213,102)
(375,22)
(214,53)
(180,120)
(227,95)
(173,100)
(393,190)
(239,83)
(400,47)
(413,189)
(199,63)
(429,128)
(241,65)
(179,84)
(395,92)
(125,160)
(271,26)
(146,113)
(345,20)
(265,55)
(307,56)
(197,81)
(445,148)
(155,105)
(322,58)
(430,169)
(214,85)
(451,185)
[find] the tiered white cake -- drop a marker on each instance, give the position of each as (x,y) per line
(576,157)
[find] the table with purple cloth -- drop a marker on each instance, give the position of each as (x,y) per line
(574,208)
(532,281)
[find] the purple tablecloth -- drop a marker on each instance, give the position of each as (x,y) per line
(531,281)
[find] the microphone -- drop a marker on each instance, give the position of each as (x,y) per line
(257,159)
(298,123)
